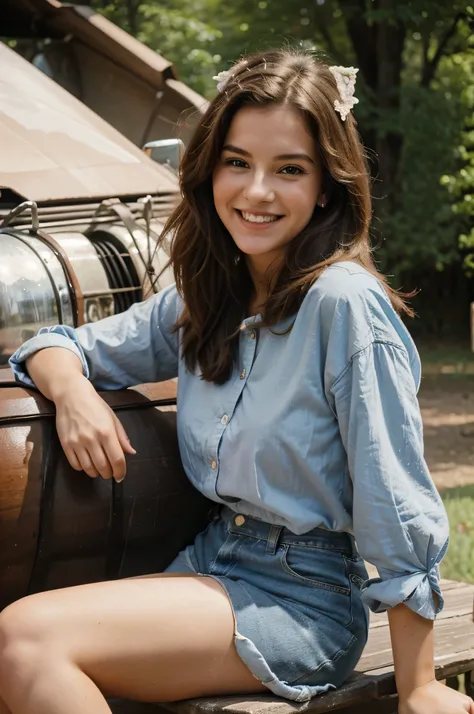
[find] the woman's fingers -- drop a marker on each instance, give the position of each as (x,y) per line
(85,462)
(122,437)
(100,460)
(106,461)
(93,438)
(72,458)
(114,451)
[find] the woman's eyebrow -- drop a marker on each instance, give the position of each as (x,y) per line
(285,157)
(235,150)
(303,157)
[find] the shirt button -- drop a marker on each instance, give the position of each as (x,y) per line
(243,373)
(239,520)
(214,465)
(252,334)
(224,419)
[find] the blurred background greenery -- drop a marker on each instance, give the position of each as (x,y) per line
(459,561)
(416,115)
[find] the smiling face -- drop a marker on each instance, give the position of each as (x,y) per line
(267,182)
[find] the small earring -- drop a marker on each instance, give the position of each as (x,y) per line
(322,204)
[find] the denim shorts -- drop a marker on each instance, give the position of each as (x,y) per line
(300,624)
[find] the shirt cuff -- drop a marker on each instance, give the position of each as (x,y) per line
(419,591)
(58,336)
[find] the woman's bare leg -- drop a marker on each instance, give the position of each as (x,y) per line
(150,639)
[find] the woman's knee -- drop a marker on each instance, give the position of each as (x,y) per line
(25,628)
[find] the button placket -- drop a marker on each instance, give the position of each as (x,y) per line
(248,356)
(248,344)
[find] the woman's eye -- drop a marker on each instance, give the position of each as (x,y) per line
(292,171)
(237,163)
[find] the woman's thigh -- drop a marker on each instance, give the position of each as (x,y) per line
(157,638)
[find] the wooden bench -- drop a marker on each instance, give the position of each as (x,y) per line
(371,689)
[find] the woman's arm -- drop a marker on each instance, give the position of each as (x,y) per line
(413,653)
(92,437)
(65,365)
(413,649)
(129,348)
(400,523)
(54,371)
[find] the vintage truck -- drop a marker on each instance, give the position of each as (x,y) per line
(81,208)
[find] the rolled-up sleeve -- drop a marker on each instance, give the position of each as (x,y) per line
(400,523)
(123,350)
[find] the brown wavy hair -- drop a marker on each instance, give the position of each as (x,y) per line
(210,273)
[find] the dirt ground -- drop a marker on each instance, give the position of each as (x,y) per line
(447,406)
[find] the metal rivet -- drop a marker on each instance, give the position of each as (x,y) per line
(224,419)
(214,465)
(243,373)
(239,520)
(252,334)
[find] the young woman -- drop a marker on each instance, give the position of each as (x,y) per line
(297,413)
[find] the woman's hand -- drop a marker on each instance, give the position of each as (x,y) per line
(92,437)
(435,698)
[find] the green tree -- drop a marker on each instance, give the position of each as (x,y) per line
(461,184)
(172,30)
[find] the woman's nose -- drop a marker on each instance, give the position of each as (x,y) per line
(259,188)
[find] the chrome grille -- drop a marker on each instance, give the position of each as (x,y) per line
(70,215)
(121,273)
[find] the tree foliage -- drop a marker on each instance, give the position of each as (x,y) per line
(173,30)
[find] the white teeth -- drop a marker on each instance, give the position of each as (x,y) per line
(257,219)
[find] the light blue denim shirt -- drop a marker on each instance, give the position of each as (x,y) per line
(318,426)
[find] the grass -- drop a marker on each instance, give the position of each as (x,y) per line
(458,563)
(444,352)
(446,358)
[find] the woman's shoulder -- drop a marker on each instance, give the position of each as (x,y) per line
(345,280)
(351,291)
(354,309)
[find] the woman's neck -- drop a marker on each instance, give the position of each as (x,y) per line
(264,276)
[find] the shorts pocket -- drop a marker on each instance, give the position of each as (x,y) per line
(357,575)
(316,567)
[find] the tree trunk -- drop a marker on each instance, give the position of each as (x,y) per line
(379,49)
(132,15)
(364,42)
(390,43)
